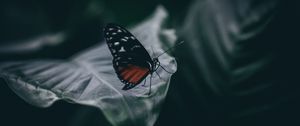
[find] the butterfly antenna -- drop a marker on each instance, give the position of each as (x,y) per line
(169,49)
(158,75)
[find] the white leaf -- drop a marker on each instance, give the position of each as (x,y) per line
(89,79)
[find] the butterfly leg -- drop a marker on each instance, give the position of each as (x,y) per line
(165,69)
(145,82)
(158,75)
(150,84)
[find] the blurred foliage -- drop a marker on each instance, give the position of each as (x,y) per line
(80,21)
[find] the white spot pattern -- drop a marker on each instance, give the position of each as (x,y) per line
(122,49)
(117,43)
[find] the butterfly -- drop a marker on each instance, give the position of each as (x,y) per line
(131,61)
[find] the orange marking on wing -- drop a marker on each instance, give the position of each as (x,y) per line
(138,75)
(128,73)
(124,71)
(134,73)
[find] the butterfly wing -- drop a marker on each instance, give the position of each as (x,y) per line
(130,69)
(131,60)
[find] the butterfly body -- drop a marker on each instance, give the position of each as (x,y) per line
(131,61)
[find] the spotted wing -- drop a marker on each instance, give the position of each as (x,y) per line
(131,61)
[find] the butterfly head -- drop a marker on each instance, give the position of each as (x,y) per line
(156,64)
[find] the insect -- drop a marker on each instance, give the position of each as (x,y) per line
(131,61)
